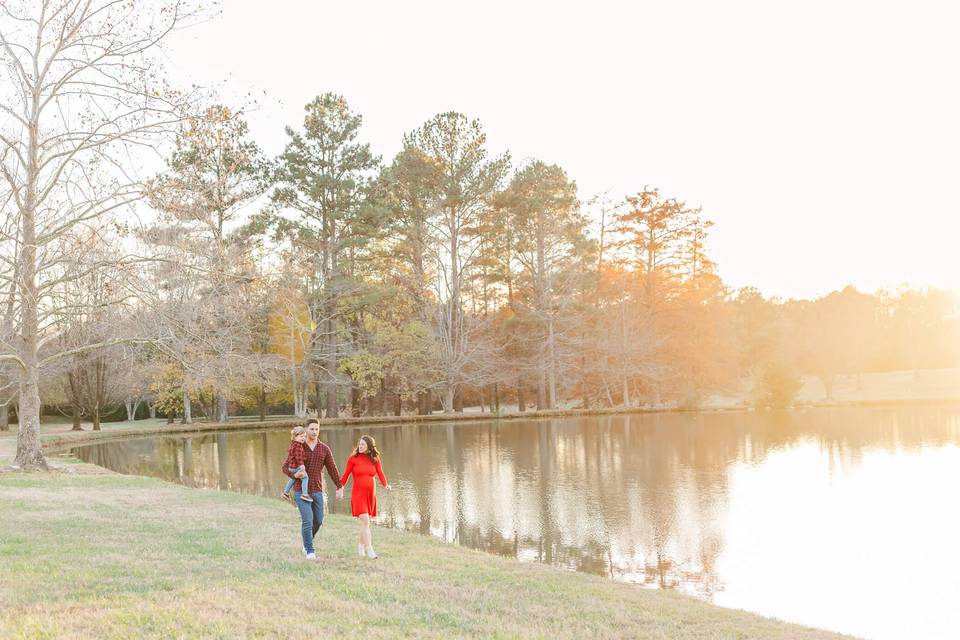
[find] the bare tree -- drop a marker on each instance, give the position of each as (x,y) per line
(82,95)
(214,174)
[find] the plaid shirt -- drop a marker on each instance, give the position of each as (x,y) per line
(315,460)
(295,455)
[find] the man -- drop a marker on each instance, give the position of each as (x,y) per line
(317,456)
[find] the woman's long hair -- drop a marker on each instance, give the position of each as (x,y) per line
(371,451)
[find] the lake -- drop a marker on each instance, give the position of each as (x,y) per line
(845,519)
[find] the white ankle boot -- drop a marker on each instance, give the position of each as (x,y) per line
(370,552)
(361,551)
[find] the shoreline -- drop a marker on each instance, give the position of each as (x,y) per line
(58,442)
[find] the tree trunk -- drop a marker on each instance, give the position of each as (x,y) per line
(332,409)
(299,403)
(447,402)
(76,417)
(496,397)
(551,366)
(152,408)
(423,403)
(262,403)
(541,385)
(458,401)
(354,400)
(5,417)
(584,389)
(521,403)
(481,399)
(29,451)
(398,405)
(454,311)
(187,414)
(221,408)
(380,404)
(317,394)
(626,393)
(100,369)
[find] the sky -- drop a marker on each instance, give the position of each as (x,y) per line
(822,138)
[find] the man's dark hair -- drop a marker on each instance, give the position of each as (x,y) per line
(311,421)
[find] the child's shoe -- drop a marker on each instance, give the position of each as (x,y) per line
(306,498)
(285,496)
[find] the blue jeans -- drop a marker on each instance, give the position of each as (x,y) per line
(303,481)
(311,517)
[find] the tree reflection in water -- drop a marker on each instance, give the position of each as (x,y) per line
(639,498)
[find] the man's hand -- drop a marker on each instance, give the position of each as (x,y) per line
(340,493)
(299,474)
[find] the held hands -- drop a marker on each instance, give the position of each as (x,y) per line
(340,493)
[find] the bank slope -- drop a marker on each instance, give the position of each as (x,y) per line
(89,553)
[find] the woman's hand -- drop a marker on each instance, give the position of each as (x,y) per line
(388,488)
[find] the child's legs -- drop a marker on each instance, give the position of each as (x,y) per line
(304,481)
(289,486)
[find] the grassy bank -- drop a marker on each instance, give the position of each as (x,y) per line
(88,553)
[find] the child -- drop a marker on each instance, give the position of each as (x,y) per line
(294,463)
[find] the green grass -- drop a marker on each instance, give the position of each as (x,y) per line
(88,553)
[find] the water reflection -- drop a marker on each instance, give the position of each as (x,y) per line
(665,501)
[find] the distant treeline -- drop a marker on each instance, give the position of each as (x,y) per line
(326,280)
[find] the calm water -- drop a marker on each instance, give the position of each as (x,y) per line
(844,519)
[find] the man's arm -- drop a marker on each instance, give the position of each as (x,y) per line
(331,466)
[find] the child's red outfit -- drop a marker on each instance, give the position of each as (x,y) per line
(363,497)
(294,455)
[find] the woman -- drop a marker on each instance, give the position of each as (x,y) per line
(364,463)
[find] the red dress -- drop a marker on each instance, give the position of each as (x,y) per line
(363,496)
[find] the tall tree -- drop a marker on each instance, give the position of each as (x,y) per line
(547,232)
(215,172)
(463,184)
(85,89)
(653,232)
(323,179)
(405,189)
